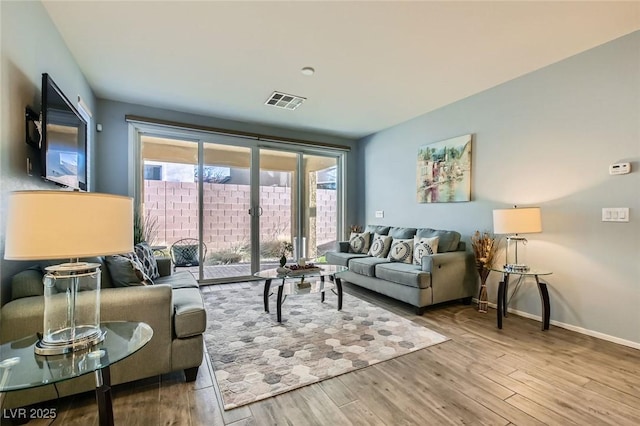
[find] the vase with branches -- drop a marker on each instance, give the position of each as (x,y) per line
(485,246)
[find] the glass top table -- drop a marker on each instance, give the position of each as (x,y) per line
(22,368)
(503,292)
(295,282)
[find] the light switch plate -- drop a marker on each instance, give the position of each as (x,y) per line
(379,214)
(615,214)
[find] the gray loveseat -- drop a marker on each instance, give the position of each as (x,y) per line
(173,307)
(447,275)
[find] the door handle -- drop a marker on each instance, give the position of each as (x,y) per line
(252,210)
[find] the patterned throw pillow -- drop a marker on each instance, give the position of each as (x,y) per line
(126,271)
(187,255)
(359,242)
(380,246)
(401,250)
(147,259)
(424,247)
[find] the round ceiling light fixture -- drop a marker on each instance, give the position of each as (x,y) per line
(307,71)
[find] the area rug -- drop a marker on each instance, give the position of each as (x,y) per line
(254,357)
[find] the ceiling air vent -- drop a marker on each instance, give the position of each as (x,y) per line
(282,100)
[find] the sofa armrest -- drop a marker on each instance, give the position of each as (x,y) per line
(433,262)
(164,266)
(449,275)
(343,246)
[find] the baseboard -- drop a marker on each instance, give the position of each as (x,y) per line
(581,330)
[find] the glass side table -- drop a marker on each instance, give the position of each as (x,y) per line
(21,368)
(503,291)
(287,285)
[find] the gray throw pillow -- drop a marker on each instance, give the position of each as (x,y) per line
(126,271)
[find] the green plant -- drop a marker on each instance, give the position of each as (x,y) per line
(145,227)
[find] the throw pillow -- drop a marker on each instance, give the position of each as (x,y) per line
(380,246)
(401,250)
(359,242)
(147,259)
(424,247)
(126,270)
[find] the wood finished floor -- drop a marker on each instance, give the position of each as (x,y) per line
(515,376)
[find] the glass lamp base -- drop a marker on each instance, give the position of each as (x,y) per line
(60,342)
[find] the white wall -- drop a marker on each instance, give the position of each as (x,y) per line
(545,139)
(31,45)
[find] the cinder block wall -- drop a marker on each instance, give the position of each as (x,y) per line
(226,219)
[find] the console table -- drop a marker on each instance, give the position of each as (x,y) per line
(21,368)
(503,290)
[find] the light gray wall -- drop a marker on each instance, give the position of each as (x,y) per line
(545,139)
(112,144)
(31,45)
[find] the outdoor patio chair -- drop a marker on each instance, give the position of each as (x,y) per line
(185,252)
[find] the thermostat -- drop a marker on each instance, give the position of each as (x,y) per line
(619,168)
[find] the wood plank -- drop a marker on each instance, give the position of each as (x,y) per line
(538,411)
(360,415)
(338,392)
(204,409)
(174,406)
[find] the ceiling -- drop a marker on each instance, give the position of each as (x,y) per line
(377,63)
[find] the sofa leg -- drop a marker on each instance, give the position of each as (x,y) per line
(421,310)
(467,300)
(190,374)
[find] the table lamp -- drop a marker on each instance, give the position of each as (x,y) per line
(49,225)
(516,221)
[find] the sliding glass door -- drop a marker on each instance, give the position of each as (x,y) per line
(241,203)
(298,205)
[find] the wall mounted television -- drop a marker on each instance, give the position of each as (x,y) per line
(63,131)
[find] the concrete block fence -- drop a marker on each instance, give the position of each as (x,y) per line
(226,221)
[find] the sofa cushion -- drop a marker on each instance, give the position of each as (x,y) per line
(366,265)
(377,229)
(380,245)
(190,318)
(147,259)
(359,242)
(401,250)
(448,240)
(424,247)
(402,233)
(342,259)
(181,279)
(405,274)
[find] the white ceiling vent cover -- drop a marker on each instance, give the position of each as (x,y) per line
(283,100)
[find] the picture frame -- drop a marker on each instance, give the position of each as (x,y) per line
(443,172)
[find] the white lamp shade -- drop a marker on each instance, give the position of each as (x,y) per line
(67,225)
(517,221)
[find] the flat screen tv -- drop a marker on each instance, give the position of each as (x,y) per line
(64,138)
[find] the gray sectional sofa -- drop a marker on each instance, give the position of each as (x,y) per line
(173,307)
(446,275)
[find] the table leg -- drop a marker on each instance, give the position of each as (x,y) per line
(505,295)
(103,395)
(544,298)
(267,286)
(500,303)
(279,303)
(322,292)
(339,286)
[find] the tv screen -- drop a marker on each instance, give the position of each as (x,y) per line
(64,138)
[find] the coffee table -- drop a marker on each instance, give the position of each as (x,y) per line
(21,368)
(290,284)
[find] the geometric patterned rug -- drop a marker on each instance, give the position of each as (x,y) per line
(255,358)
